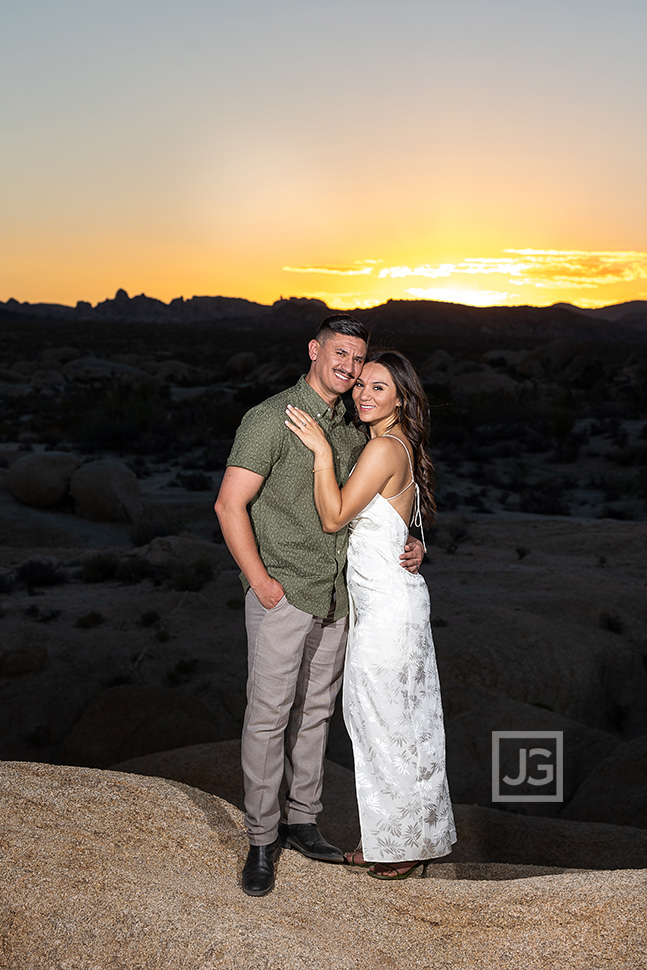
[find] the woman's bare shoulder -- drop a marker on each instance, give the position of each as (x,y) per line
(385,448)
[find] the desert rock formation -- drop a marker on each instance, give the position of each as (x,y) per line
(103,869)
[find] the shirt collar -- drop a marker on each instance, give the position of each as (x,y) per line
(316,404)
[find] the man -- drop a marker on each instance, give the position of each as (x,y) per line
(296,602)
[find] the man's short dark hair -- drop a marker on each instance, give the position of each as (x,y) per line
(342,323)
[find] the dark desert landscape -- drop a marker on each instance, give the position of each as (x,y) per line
(122,657)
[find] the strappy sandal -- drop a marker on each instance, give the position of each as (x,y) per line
(394,873)
(352,859)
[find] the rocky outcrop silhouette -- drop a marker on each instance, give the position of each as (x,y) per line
(560,321)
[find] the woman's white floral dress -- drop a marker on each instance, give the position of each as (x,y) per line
(392,704)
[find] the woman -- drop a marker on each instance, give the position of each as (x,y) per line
(392,705)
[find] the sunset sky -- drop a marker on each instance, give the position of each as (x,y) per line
(474,151)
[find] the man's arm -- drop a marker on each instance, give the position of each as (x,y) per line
(238,488)
(411,558)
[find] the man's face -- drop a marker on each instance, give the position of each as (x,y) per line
(336,363)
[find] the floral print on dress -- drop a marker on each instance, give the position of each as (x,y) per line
(392,704)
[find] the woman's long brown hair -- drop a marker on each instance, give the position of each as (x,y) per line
(415,422)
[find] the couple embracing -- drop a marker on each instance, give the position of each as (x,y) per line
(317,517)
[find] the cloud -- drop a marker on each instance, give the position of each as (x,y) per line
(539,268)
(345,301)
(431,272)
(360,267)
(579,268)
(465,297)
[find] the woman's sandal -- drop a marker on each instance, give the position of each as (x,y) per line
(352,859)
(394,873)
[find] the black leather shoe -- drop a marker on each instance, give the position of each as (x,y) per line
(258,871)
(307,839)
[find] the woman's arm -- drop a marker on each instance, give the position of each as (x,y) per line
(375,467)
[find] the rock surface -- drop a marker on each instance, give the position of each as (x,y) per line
(484,835)
(42,480)
(106,491)
(102,869)
(469,749)
(127,721)
(215,768)
(616,789)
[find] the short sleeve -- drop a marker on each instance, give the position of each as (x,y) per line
(259,441)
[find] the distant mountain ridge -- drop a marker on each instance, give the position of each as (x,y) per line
(615,311)
(621,321)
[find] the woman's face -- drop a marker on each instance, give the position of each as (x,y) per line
(375,394)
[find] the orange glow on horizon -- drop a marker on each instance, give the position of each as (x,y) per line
(513,277)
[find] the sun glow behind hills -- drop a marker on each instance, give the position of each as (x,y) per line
(524,276)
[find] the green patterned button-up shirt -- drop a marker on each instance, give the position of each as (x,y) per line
(295,550)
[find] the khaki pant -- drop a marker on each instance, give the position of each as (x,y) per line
(294,675)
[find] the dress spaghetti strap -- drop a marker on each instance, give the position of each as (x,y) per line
(417,514)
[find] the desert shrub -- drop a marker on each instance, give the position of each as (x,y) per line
(457,533)
(181,672)
(40,737)
(99,569)
(119,418)
(545,498)
(611,488)
(133,570)
(561,422)
(90,620)
(448,500)
(621,515)
(612,622)
(40,572)
(629,455)
(154,524)
(185,666)
(119,680)
(194,481)
(567,450)
(139,466)
(45,617)
(475,501)
(638,485)
(149,618)
(194,576)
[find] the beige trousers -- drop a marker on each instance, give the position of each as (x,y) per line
(295,665)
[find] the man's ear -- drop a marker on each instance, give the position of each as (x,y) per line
(313,349)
